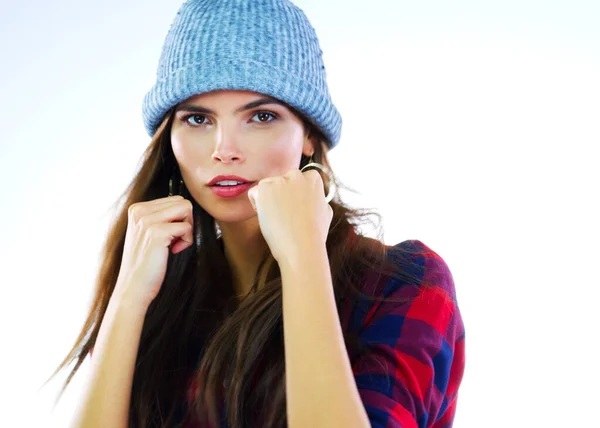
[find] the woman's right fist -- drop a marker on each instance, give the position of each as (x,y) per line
(153,227)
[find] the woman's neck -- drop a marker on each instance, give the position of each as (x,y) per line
(244,248)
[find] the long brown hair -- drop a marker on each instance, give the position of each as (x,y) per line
(196,331)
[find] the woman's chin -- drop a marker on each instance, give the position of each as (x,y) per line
(232,215)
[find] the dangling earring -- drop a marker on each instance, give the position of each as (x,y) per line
(327,171)
(171,191)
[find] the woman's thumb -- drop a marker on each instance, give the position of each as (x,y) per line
(252,195)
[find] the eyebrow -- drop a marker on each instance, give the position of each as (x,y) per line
(251,105)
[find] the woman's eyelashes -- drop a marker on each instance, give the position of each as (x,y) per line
(199,120)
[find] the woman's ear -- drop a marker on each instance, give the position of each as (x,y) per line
(309,148)
(310,142)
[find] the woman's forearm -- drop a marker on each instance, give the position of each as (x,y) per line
(106,398)
(320,386)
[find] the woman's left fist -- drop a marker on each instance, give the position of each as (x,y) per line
(293,214)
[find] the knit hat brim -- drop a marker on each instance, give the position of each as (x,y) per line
(241,74)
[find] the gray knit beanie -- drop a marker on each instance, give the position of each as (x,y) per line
(264,46)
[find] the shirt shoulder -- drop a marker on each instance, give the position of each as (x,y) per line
(410,361)
(413,269)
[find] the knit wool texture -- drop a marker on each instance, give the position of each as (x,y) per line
(264,46)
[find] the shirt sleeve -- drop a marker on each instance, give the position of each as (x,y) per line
(410,374)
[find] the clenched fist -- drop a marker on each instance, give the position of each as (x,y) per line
(153,228)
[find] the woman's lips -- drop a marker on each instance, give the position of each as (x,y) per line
(231,191)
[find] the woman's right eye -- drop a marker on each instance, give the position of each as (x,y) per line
(199,120)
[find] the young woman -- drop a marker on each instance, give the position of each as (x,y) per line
(233,292)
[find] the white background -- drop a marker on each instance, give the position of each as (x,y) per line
(472,126)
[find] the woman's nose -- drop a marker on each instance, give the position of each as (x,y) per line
(226,148)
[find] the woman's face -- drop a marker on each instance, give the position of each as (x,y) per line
(240,133)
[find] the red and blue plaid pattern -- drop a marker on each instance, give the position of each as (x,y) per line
(413,357)
(415,364)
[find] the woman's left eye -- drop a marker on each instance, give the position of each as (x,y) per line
(264,115)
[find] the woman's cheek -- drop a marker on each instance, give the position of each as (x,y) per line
(280,158)
(177,146)
(186,152)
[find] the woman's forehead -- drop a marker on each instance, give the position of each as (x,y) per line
(226,101)
(228,95)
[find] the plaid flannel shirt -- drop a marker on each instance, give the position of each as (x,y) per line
(411,375)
